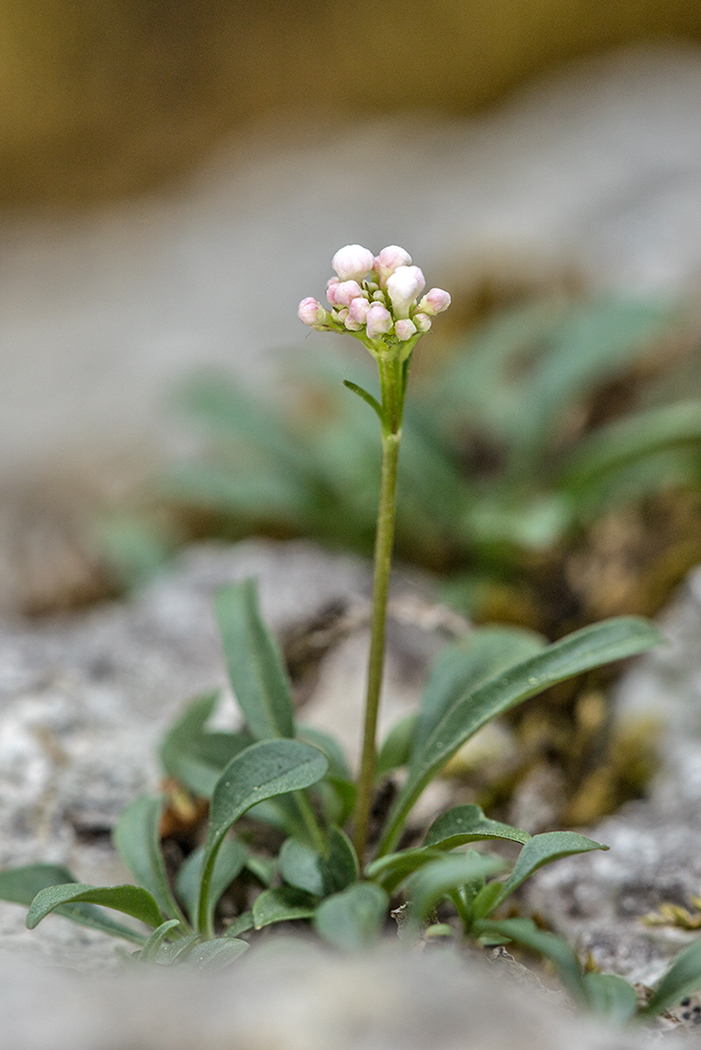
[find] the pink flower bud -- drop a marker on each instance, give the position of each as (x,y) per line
(353,262)
(351,324)
(331,286)
(345,292)
(389,259)
(435,302)
(422,322)
(405,330)
(379,320)
(311,312)
(358,309)
(403,286)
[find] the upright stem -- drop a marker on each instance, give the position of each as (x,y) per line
(392,385)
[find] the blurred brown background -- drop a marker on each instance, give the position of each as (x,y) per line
(105,98)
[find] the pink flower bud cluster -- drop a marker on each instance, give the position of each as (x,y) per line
(375,297)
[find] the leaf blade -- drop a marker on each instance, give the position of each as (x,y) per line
(262,771)
(136,838)
(131,900)
(254,663)
(590,647)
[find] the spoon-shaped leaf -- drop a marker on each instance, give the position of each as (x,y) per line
(464,824)
(254,663)
(611,997)
(462,667)
(217,953)
(397,746)
(541,850)
(682,978)
(300,866)
(352,920)
(262,771)
(231,858)
(131,900)
(138,841)
(195,756)
(340,862)
(392,869)
(439,878)
(282,904)
(21,885)
(601,643)
(150,951)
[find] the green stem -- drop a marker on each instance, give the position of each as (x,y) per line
(392,385)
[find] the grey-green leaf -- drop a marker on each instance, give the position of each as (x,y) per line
(150,951)
(254,663)
(541,850)
(131,900)
(465,665)
(300,866)
(353,920)
(682,978)
(262,771)
(436,880)
(138,842)
(392,869)
(196,757)
(611,997)
(340,864)
(590,647)
(231,859)
(217,953)
(468,823)
(282,904)
(21,885)
(397,746)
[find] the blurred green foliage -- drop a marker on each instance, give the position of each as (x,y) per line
(521,437)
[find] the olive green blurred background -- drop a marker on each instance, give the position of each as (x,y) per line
(106,97)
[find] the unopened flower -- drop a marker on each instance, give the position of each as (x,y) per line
(389,259)
(422,322)
(345,292)
(405,329)
(353,262)
(379,320)
(403,287)
(435,302)
(359,308)
(312,313)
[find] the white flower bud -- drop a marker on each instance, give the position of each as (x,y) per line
(353,262)
(422,322)
(403,287)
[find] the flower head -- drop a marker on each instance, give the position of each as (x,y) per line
(376,299)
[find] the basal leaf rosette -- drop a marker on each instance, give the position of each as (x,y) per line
(378,299)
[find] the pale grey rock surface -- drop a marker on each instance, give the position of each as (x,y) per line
(294,999)
(597,900)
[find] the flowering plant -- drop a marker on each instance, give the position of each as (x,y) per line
(298,781)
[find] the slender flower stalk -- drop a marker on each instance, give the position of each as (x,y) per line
(375,300)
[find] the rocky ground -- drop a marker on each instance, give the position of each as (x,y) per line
(84,700)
